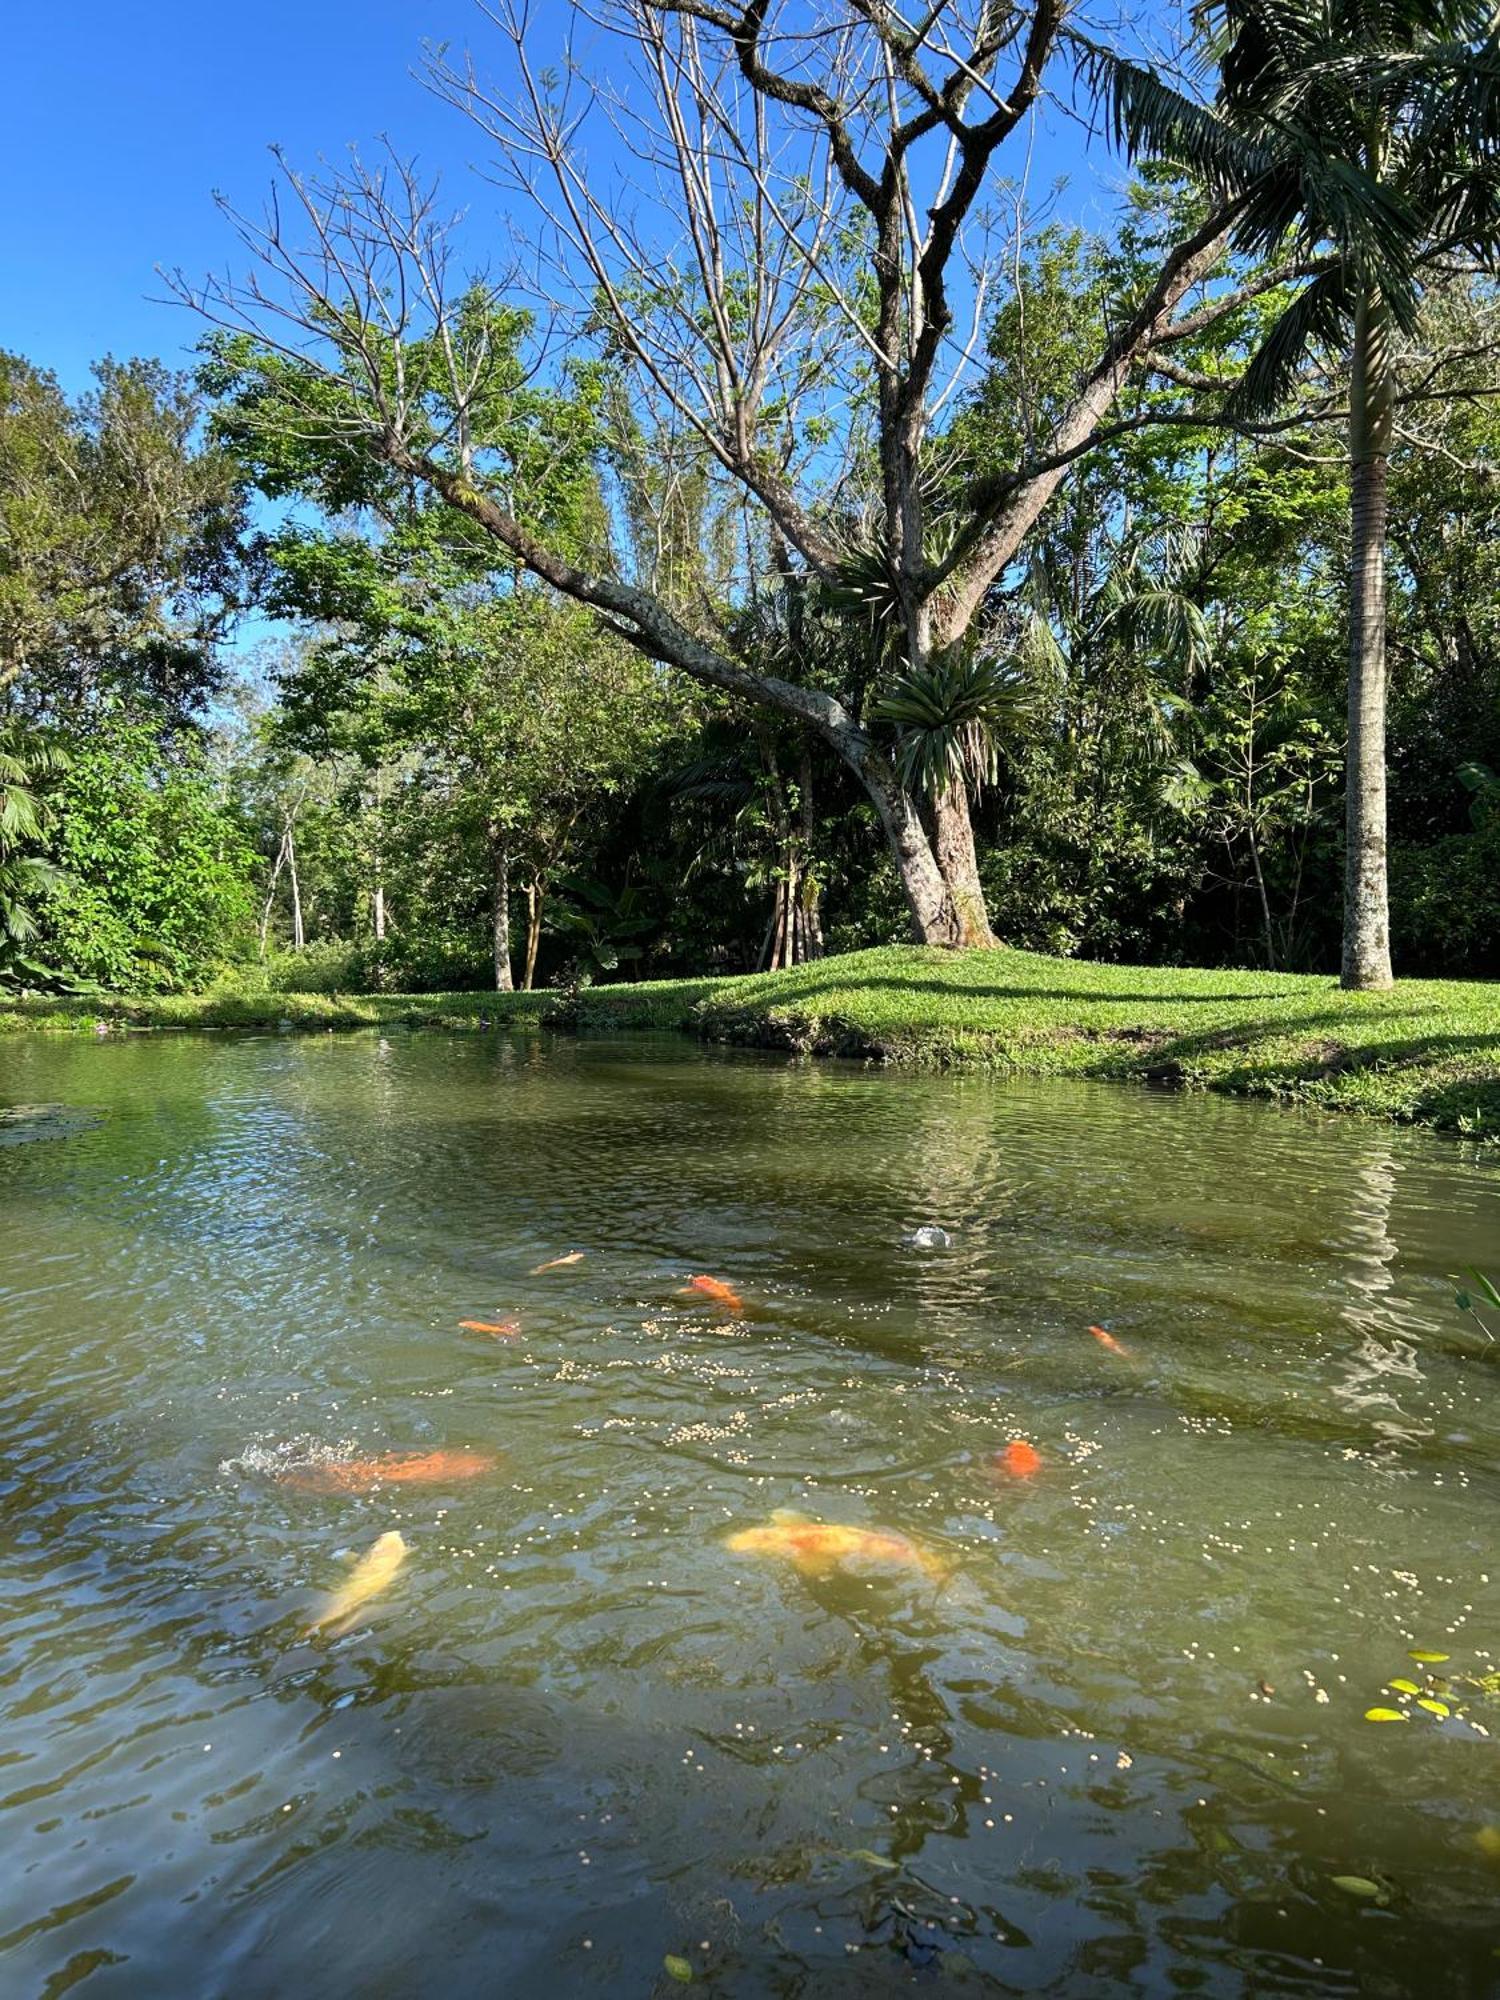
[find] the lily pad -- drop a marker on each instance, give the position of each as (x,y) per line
(1405,1687)
(1439,1708)
(678,1969)
(1429,1659)
(1358,1885)
(1386,1715)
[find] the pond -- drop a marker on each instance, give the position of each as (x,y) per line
(1086,1720)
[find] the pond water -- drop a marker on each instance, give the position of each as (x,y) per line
(1100,1729)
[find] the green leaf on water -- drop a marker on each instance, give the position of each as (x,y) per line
(1435,1707)
(1386,1715)
(1429,1659)
(1406,1687)
(1357,1885)
(870,1858)
(678,1969)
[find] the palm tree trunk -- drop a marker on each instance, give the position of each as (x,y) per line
(1367,940)
(953,842)
(500,909)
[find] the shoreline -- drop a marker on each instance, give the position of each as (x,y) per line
(1426,1053)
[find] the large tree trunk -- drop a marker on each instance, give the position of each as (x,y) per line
(953,841)
(500,909)
(934,914)
(1367,942)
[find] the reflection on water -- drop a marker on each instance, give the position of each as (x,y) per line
(1100,1729)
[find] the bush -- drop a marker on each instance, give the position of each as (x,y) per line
(435,961)
(1445,905)
(324,966)
(155,885)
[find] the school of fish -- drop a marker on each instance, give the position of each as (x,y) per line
(813,1548)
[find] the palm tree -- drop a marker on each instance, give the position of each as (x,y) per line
(25,763)
(1360,141)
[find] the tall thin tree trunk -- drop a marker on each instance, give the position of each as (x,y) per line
(953,841)
(265,915)
(812,929)
(534,899)
(291,862)
(1367,929)
(500,909)
(1265,902)
(377,897)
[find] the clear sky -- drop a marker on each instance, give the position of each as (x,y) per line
(123,116)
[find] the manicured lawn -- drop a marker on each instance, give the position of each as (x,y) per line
(1429,1052)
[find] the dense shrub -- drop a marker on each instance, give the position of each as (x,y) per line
(155,889)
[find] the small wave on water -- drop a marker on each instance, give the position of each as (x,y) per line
(275,1459)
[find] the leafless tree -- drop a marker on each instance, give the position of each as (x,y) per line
(793,267)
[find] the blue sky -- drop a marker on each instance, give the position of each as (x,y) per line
(123,118)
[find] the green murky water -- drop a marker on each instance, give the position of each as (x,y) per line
(577,1734)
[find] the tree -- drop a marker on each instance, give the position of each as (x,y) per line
(153,890)
(792,303)
(1361,142)
(121,542)
(513,712)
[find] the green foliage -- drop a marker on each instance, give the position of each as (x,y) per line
(951,718)
(1363,139)
(154,889)
(28,764)
(121,541)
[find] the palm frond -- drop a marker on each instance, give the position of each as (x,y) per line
(1149,118)
(1321,315)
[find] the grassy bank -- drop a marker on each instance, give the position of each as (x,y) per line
(1428,1053)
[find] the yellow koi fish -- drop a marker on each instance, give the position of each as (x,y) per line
(816,1547)
(372,1573)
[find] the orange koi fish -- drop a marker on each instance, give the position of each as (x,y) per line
(395,1468)
(1107,1341)
(501,1329)
(720,1293)
(556,1263)
(372,1573)
(816,1547)
(1019,1460)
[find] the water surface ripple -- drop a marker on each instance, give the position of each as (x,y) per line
(1106,1736)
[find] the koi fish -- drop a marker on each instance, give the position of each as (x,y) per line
(372,1573)
(501,1329)
(1107,1341)
(556,1263)
(395,1468)
(1019,1460)
(816,1547)
(718,1291)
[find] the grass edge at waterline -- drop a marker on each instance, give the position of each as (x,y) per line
(1427,1053)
